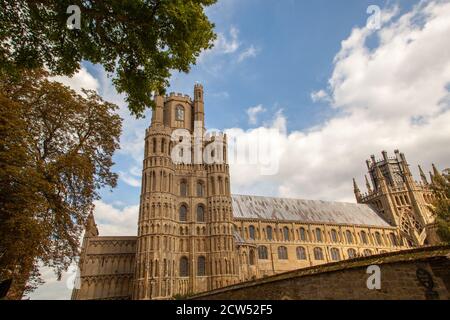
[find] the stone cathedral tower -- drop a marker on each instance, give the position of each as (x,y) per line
(185,238)
(399,199)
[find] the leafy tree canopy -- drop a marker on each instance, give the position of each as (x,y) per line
(441,185)
(56,150)
(140,41)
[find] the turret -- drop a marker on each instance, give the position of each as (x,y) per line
(435,170)
(199,106)
(423,177)
(369,188)
(91,226)
(158,112)
(382,184)
(356,191)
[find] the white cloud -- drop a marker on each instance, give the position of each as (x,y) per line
(393,96)
(253,113)
(82,79)
(227,50)
(250,52)
(320,95)
(114,222)
(225,43)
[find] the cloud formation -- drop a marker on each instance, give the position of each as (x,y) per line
(395,95)
(253,112)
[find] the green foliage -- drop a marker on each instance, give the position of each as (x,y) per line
(141,41)
(441,185)
(56,151)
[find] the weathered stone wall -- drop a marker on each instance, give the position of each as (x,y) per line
(417,274)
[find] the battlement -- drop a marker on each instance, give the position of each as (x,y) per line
(178,97)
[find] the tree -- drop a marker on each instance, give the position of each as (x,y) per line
(141,41)
(441,206)
(56,150)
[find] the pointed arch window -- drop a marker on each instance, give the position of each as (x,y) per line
(200,213)
(318,235)
(282,253)
(179,116)
(364,237)
(351,253)
(183,188)
(269,233)
(262,253)
(378,238)
(334,236)
(286,233)
(302,232)
(201,266)
(200,189)
(183,213)
(251,232)
(318,253)
(349,236)
(184,267)
(301,253)
(335,254)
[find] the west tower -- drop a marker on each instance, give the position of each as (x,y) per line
(185,238)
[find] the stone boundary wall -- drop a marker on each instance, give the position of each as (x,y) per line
(418,274)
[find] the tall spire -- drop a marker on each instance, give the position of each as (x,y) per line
(91,226)
(382,185)
(369,188)
(423,176)
(435,170)
(356,191)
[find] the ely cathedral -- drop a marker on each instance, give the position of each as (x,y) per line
(193,235)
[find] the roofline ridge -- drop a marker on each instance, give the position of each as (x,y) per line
(291,198)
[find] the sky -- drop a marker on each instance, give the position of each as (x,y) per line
(323,83)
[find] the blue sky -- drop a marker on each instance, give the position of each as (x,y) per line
(333,91)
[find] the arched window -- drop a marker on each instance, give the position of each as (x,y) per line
(364,237)
(318,253)
(200,189)
(183,213)
(183,188)
(201,266)
(262,253)
(154,145)
(335,254)
(163,144)
(269,233)
(393,239)
(179,113)
(318,235)
(351,253)
(302,233)
(334,236)
(349,236)
(282,253)
(378,237)
(200,213)
(286,233)
(251,257)
(367,252)
(301,253)
(184,267)
(251,232)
